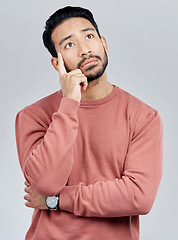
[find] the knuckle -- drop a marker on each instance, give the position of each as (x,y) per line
(78,70)
(64,75)
(73,77)
(26,197)
(27,204)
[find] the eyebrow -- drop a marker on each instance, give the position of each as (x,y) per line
(64,39)
(87,29)
(83,30)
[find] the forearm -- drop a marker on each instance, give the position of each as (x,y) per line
(118,198)
(46,156)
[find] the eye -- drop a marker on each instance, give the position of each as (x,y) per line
(69,45)
(89,36)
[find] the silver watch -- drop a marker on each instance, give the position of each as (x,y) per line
(52,202)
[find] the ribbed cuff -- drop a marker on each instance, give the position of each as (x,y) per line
(69,106)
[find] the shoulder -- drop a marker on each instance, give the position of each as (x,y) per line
(42,109)
(133,104)
(138,113)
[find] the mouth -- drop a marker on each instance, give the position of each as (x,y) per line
(89,62)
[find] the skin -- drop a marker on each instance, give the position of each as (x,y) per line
(73,50)
(34,199)
(75,41)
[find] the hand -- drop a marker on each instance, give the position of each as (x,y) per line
(34,199)
(71,82)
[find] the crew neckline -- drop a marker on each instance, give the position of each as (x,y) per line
(107,98)
(89,102)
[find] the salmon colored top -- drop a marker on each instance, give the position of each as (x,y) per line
(103,156)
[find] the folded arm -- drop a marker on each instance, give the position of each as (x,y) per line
(135,192)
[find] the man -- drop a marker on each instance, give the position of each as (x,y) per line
(91,153)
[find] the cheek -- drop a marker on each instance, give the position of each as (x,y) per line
(69,64)
(99,50)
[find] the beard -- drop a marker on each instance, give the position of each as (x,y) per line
(97,73)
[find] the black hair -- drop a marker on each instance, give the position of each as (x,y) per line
(59,17)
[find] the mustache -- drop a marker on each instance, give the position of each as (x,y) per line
(86,58)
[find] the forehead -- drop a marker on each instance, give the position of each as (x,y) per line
(71,26)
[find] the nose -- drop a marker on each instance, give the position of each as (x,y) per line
(84,49)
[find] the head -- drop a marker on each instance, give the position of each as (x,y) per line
(73,32)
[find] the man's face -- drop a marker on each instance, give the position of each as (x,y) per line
(78,42)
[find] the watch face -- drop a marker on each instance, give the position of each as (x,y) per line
(52,202)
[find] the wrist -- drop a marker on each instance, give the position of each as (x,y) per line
(69,106)
(72,97)
(52,203)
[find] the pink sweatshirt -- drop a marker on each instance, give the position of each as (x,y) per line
(103,156)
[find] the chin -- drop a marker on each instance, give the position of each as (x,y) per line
(97,72)
(93,76)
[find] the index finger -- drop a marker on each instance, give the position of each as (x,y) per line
(27,184)
(62,69)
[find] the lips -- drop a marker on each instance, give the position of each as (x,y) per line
(89,62)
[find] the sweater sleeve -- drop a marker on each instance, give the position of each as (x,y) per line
(46,151)
(135,191)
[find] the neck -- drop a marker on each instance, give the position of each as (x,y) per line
(97,89)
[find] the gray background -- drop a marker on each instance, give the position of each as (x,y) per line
(143,55)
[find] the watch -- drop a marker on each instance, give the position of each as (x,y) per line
(52,202)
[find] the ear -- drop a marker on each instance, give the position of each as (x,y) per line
(104,42)
(54,62)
